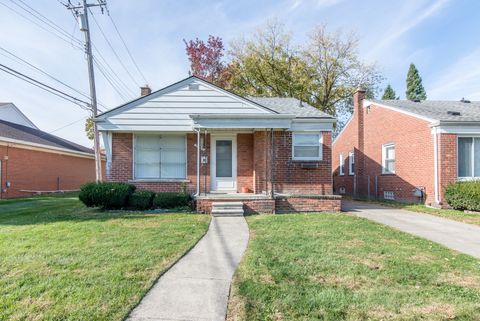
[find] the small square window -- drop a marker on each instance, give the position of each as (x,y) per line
(307,146)
(389,195)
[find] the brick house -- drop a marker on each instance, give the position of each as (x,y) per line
(33,161)
(407,151)
(268,154)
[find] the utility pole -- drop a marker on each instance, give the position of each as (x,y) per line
(81,12)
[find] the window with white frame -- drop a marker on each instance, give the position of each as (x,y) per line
(307,146)
(160,157)
(388,159)
(468,157)
(341,166)
(351,163)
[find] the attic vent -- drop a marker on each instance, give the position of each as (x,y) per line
(453,113)
(466,101)
(193,87)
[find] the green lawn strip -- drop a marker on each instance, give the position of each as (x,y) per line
(452,214)
(62,261)
(339,267)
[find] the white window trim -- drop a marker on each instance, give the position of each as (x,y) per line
(320,147)
(351,161)
(467,178)
(384,155)
(341,165)
(135,179)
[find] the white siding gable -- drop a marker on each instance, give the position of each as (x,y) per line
(169,108)
(9,112)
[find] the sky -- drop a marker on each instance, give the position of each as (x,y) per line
(442,38)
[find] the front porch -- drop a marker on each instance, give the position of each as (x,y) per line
(266,204)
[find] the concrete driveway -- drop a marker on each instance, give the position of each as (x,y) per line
(458,236)
(197,287)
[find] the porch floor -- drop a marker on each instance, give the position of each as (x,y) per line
(232,196)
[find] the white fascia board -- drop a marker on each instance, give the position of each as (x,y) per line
(312,125)
(367,103)
(41,147)
(242,123)
(242,116)
(143,128)
(457,128)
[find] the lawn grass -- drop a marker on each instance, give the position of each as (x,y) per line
(62,261)
(340,267)
(452,214)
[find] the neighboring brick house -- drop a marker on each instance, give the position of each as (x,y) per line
(407,151)
(33,161)
(272,154)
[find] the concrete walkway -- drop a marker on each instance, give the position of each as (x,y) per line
(458,236)
(197,287)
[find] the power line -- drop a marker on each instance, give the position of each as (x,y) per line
(39,16)
(108,78)
(43,72)
(44,86)
(126,47)
(113,50)
(74,42)
(112,72)
(40,26)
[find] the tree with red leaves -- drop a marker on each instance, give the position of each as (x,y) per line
(206,60)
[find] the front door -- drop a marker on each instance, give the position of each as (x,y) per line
(224,164)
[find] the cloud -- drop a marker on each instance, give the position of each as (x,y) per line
(402,26)
(458,80)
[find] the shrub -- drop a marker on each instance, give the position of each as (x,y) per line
(141,200)
(464,195)
(171,200)
(106,195)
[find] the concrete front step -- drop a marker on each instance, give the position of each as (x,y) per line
(227,209)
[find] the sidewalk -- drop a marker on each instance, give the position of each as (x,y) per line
(197,287)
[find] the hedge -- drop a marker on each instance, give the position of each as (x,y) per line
(141,200)
(106,195)
(464,195)
(171,200)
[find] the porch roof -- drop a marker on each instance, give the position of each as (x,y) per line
(242,121)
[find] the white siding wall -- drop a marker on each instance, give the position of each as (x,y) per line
(169,111)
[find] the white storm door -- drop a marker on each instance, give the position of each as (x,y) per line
(224,163)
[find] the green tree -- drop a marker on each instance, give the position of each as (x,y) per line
(89,128)
(415,90)
(268,65)
(324,73)
(389,93)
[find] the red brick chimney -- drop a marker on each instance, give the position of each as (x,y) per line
(359,117)
(145,91)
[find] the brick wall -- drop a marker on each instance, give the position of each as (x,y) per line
(245,162)
(447,149)
(253,169)
(39,170)
(294,177)
(413,148)
(303,204)
(253,206)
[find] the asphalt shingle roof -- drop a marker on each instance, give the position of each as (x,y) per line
(32,135)
(290,106)
(438,109)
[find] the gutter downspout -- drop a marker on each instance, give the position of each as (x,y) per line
(435,162)
(198,162)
